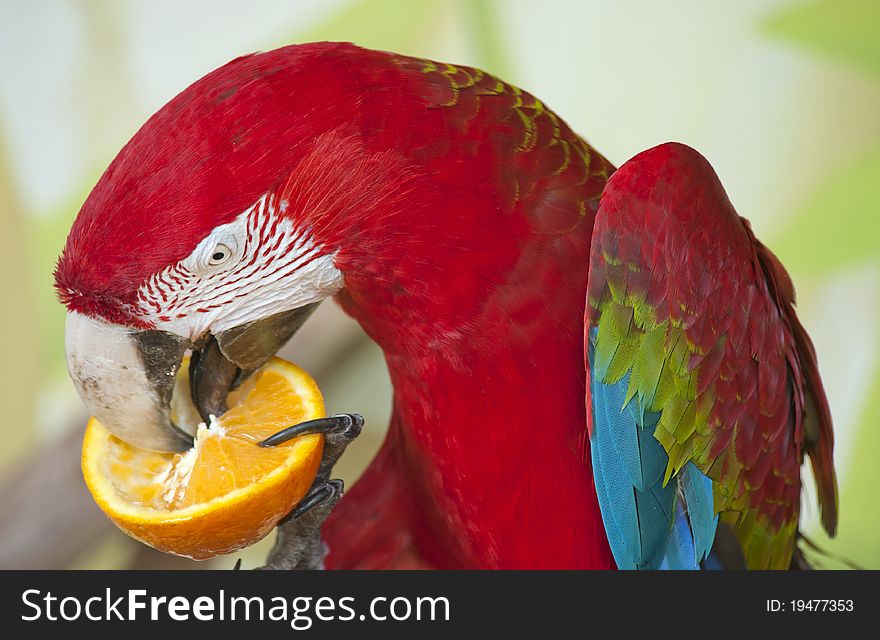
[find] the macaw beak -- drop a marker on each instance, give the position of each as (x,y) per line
(126,377)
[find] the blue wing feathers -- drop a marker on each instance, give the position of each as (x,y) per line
(633,436)
(619,546)
(618,492)
(680,554)
(649,526)
(697,489)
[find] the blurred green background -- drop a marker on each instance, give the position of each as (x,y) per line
(783,97)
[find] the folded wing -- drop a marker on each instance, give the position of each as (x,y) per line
(703,393)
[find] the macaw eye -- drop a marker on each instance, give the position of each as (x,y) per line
(220,255)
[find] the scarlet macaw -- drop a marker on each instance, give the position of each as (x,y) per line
(459,220)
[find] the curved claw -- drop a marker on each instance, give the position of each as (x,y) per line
(330,490)
(345,424)
(299,544)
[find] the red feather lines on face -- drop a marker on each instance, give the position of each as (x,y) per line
(274,248)
(176,292)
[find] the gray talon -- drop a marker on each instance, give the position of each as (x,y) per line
(330,490)
(346,425)
(299,543)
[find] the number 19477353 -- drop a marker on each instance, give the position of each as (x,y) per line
(814,605)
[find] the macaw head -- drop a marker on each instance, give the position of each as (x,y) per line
(253,195)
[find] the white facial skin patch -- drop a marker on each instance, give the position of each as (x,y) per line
(251,268)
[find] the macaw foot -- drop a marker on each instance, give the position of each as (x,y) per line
(299,545)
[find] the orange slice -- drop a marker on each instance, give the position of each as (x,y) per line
(226,492)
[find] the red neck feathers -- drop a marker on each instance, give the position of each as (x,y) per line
(475,290)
